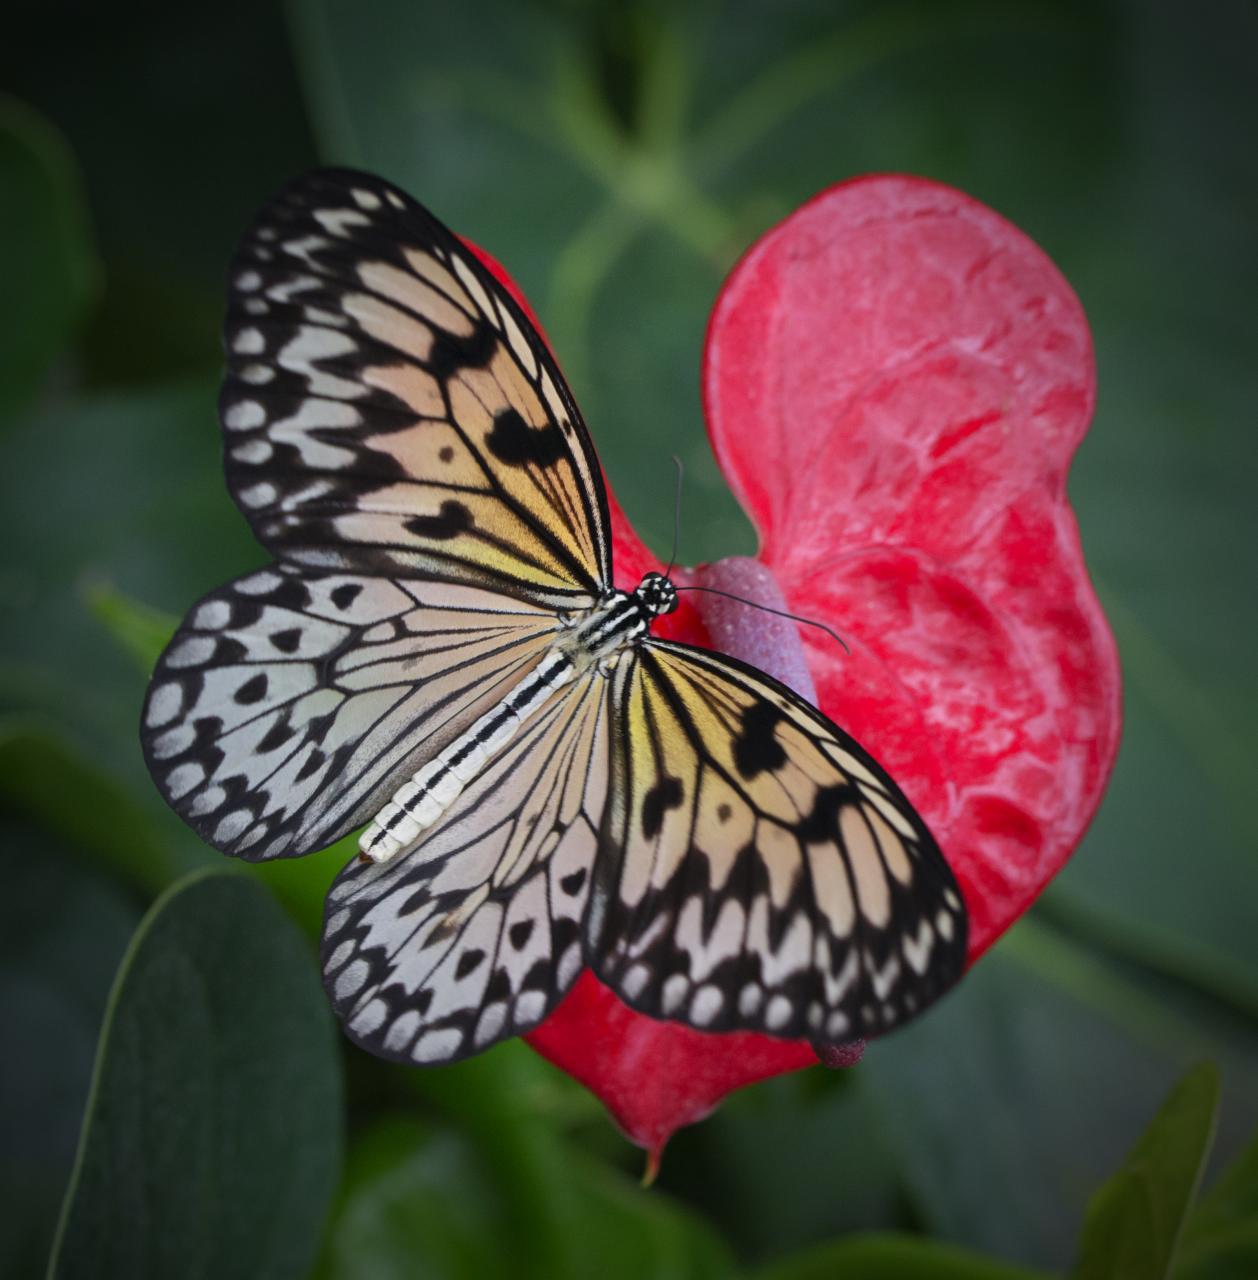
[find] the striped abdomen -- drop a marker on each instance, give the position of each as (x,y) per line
(431,790)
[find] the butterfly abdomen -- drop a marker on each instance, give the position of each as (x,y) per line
(431,790)
(618,621)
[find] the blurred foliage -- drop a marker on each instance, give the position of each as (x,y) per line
(617,158)
(207,1083)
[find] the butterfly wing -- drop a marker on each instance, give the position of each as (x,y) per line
(759,870)
(390,410)
(392,422)
(474,933)
(291,701)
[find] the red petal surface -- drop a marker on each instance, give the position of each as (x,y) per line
(895,380)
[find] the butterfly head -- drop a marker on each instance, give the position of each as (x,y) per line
(656,594)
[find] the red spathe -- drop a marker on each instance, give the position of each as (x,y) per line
(895,380)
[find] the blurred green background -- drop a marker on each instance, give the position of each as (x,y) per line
(617,158)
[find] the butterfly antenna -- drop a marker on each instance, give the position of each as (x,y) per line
(781,613)
(672,559)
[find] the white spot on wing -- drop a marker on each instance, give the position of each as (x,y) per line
(213,615)
(244,415)
(673,993)
(437,1046)
(706,1004)
(338,221)
(253,452)
(778,1014)
(259,495)
(529,1007)
(164,704)
(181,780)
(249,342)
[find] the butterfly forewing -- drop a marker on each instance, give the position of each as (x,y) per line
(759,870)
(474,933)
(282,713)
(389,409)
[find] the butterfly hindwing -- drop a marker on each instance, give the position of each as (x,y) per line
(759,870)
(290,701)
(389,409)
(474,933)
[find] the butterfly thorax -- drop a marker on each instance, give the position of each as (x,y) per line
(617,621)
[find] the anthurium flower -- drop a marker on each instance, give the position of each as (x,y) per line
(895,380)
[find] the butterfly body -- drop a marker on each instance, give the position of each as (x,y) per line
(438,651)
(590,640)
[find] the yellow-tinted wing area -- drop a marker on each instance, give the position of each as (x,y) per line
(389,409)
(759,870)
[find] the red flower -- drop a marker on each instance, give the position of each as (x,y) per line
(895,380)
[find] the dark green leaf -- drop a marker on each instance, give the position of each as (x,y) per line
(212,1141)
(63,929)
(127,490)
(1012,1102)
(417,1201)
(140,630)
(736,1164)
(46,259)
(1220,1241)
(47,782)
(422,1200)
(1135,1220)
(891,1257)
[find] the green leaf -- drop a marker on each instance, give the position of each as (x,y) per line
(48,782)
(63,929)
(416,1201)
(139,629)
(1135,1220)
(1011,1103)
(46,259)
(735,1164)
(426,1200)
(893,1257)
(211,1144)
(123,489)
(1220,1241)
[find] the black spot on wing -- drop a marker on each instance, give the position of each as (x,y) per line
(276,736)
(345,595)
(469,962)
(821,823)
(572,882)
(287,641)
(450,353)
(451,520)
(253,690)
(665,795)
(756,749)
(313,763)
(513,441)
(520,933)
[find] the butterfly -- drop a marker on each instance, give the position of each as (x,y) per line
(438,651)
